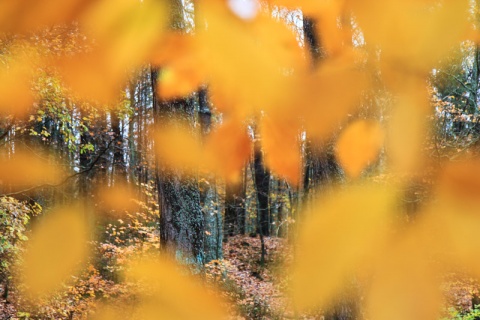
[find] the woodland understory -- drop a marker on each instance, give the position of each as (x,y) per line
(240,159)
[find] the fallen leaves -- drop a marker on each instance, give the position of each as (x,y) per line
(164,290)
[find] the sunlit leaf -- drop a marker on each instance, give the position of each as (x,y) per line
(16,96)
(405,284)
(120,197)
(177,81)
(167,291)
(180,60)
(450,223)
(342,234)
(227,149)
(280,143)
(125,34)
(16,81)
(27,168)
(57,248)
(358,145)
(460,180)
(177,147)
(24,15)
(412,34)
(406,129)
(88,77)
(332,93)
(248,63)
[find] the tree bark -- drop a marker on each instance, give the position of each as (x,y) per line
(119,168)
(182,227)
(262,186)
(234,210)
(208,191)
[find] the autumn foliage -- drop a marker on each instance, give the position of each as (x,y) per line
(366,98)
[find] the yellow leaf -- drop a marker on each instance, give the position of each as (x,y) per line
(452,228)
(126,29)
(227,149)
(89,78)
(167,289)
(412,34)
(405,284)
(358,145)
(28,168)
(57,248)
(248,63)
(331,93)
(406,128)
(178,81)
(125,34)
(460,180)
(120,197)
(177,147)
(179,57)
(341,235)
(279,140)
(25,15)
(16,96)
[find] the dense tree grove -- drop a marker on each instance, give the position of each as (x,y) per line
(239,159)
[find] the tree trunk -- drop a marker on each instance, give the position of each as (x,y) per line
(119,167)
(182,227)
(208,191)
(234,210)
(262,186)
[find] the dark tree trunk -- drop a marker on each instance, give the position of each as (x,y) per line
(234,210)
(182,227)
(262,185)
(119,167)
(312,39)
(208,192)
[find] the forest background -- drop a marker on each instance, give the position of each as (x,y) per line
(210,159)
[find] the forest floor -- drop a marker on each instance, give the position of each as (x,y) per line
(257,291)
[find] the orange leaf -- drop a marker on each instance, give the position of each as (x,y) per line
(248,63)
(177,147)
(358,145)
(331,93)
(28,168)
(279,140)
(57,249)
(227,149)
